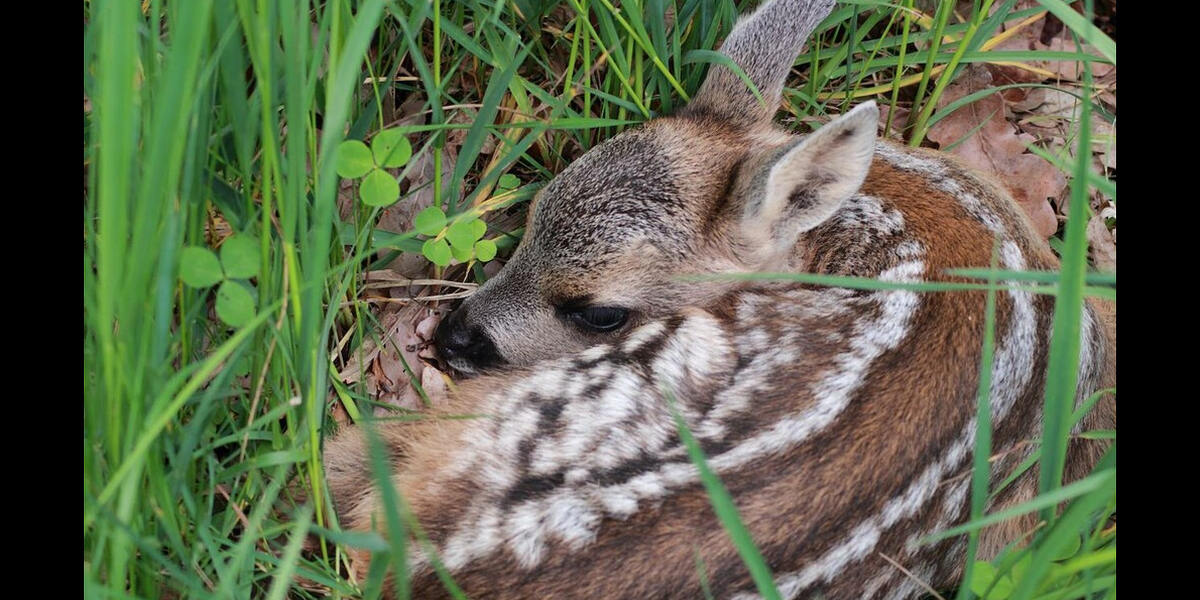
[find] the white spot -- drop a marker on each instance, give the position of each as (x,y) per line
(619,503)
(524,530)
(465,545)
(570,519)
(698,345)
(642,335)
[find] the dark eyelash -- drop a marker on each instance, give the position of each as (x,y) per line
(600,319)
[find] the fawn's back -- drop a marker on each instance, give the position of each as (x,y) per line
(841,421)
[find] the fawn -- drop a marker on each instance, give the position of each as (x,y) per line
(840,420)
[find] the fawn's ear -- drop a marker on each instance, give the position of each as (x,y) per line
(798,187)
(764,44)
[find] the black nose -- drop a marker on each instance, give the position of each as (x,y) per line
(467,348)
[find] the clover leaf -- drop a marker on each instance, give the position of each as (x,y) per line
(508,182)
(379,188)
(389,149)
(199,267)
(437,251)
(353,159)
(235,304)
(462,234)
(429,221)
(239,257)
(485,250)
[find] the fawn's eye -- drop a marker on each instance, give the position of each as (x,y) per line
(600,319)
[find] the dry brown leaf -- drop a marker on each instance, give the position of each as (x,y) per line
(1104,143)
(406,342)
(435,386)
(1103,245)
(1018,99)
(428,326)
(407,335)
(1058,103)
(998,149)
(898,121)
(1070,69)
(339,414)
(393,358)
(1050,114)
(362,358)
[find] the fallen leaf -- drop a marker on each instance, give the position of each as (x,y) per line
(435,386)
(1017,99)
(984,139)
(1054,103)
(403,346)
(408,399)
(339,414)
(1103,245)
(428,326)
(1072,69)
(898,121)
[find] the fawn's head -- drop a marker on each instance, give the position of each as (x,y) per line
(714,188)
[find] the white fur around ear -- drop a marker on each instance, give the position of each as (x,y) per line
(808,183)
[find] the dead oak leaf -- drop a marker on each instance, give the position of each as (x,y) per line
(897,121)
(983,139)
(1103,245)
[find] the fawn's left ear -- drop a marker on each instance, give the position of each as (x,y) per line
(764,44)
(800,187)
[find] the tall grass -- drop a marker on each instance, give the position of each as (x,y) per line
(210,118)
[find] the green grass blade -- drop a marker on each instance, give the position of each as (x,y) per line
(394,521)
(981,471)
(1063,365)
(1076,489)
(726,510)
(291,554)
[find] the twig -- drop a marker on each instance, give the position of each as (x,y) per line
(262,375)
(240,515)
(337,350)
(433,298)
(908,574)
(993,458)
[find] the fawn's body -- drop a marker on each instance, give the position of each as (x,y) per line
(841,421)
